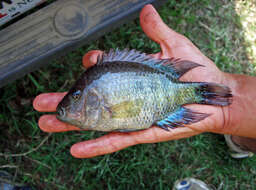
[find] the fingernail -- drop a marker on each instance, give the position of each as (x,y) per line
(75,151)
(93,58)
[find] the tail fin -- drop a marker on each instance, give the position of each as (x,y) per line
(214,94)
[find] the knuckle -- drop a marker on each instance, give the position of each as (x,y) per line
(225,126)
(113,146)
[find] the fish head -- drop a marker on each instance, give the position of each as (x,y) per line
(80,107)
(71,109)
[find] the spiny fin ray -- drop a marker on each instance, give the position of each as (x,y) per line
(173,66)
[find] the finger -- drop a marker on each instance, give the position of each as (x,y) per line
(48,102)
(49,123)
(91,57)
(116,141)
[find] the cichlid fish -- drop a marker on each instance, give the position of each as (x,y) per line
(128,90)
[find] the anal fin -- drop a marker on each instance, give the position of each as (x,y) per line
(180,117)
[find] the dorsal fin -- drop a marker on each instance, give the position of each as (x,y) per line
(173,66)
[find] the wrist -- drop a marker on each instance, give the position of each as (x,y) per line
(240,116)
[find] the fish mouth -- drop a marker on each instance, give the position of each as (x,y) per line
(64,116)
(61,114)
(61,118)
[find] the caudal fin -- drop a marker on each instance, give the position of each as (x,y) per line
(214,94)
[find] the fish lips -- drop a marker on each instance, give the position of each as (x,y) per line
(61,113)
(64,116)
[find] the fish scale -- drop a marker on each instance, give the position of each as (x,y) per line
(128,90)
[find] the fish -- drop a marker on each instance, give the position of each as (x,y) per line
(128,90)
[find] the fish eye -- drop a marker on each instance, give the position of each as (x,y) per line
(76,95)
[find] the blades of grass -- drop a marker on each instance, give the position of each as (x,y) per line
(39,87)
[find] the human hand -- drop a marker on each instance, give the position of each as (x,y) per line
(172,45)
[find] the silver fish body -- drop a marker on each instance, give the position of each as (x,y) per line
(128,91)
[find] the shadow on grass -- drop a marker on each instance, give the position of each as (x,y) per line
(215,28)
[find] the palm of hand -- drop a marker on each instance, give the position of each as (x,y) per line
(172,45)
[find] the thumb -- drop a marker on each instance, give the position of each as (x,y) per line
(158,31)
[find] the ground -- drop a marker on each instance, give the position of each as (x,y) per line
(223,30)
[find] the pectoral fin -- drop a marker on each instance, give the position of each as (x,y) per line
(126,109)
(179,118)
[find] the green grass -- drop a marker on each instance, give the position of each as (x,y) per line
(215,28)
